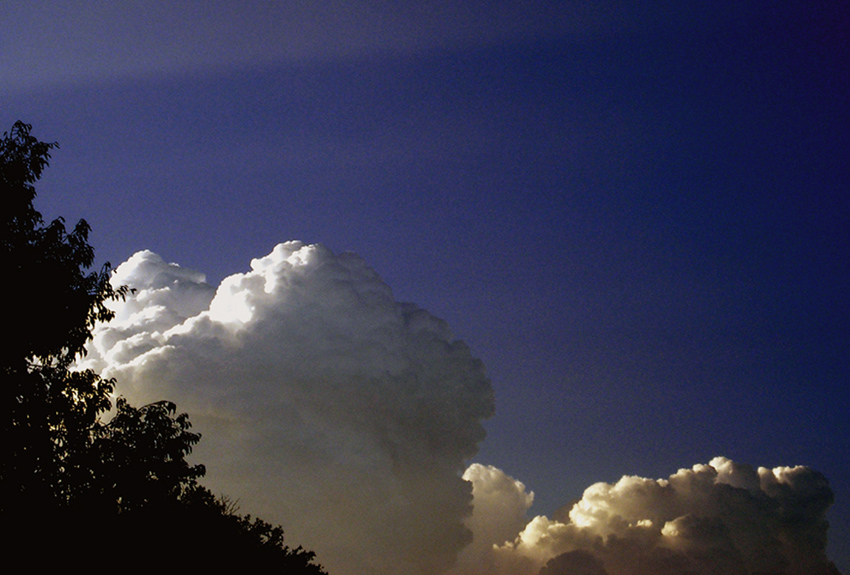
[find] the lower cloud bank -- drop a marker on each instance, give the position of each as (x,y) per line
(717,518)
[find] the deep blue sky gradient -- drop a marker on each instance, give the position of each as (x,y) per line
(643,231)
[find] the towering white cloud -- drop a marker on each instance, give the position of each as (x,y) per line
(716,518)
(346,416)
(324,404)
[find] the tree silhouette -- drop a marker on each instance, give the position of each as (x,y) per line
(47,409)
(71,482)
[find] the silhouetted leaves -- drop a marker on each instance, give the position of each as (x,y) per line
(48,411)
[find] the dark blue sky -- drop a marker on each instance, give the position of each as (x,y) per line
(638,218)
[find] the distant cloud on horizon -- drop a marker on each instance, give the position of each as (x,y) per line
(717,518)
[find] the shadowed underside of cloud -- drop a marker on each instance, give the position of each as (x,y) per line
(324,404)
(716,518)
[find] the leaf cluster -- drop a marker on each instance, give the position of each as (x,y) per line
(46,265)
(48,412)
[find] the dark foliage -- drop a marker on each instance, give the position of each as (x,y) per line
(73,488)
(137,460)
(48,411)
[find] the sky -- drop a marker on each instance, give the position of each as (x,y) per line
(624,230)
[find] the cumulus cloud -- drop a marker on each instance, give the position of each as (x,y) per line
(346,416)
(324,404)
(720,517)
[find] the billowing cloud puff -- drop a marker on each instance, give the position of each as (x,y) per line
(324,404)
(500,503)
(719,518)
